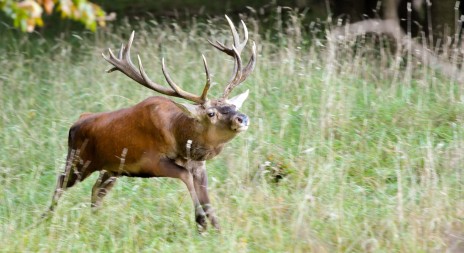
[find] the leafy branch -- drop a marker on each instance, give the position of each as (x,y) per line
(27,14)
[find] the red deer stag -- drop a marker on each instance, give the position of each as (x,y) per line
(159,137)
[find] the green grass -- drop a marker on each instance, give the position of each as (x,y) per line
(370,155)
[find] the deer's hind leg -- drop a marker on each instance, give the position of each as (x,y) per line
(102,186)
(75,171)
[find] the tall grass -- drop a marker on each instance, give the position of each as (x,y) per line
(347,151)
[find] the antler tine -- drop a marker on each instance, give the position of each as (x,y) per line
(235,80)
(221,47)
(120,51)
(234,33)
(208,80)
(125,54)
(177,89)
(245,34)
(143,73)
(251,64)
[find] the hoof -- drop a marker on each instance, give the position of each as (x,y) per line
(201,222)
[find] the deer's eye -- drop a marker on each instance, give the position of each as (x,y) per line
(211,114)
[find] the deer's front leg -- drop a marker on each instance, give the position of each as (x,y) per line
(200,180)
(168,168)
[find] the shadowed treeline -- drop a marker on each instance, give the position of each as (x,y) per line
(440,14)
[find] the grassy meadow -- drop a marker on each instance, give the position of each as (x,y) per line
(352,147)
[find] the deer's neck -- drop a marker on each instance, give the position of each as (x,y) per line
(194,141)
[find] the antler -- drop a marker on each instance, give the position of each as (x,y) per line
(239,75)
(124,64)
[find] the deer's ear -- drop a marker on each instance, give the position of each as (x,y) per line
(238,100)
(190,110)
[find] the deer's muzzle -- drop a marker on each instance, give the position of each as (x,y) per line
(240,122)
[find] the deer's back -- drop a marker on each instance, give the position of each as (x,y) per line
(144,130)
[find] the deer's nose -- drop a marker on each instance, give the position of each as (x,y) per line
(241,119)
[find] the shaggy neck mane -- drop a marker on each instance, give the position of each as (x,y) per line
(201,149)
